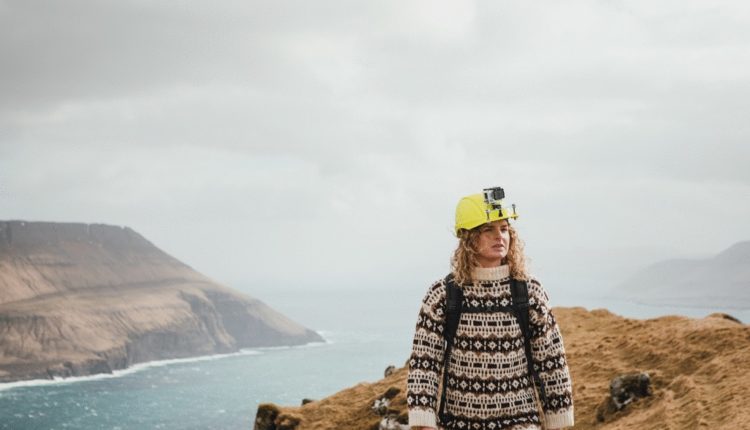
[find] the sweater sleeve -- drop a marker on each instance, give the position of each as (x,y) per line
(426,360)
(548,353)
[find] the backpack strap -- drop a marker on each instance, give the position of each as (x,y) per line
(520,293)
(454,298)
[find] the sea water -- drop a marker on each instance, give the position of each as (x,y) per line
(365,331)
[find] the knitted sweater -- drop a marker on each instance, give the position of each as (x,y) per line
(489,387)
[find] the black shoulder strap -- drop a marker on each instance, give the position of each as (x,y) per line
(454,297)
(520,292)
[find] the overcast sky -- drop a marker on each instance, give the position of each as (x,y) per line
(309,144)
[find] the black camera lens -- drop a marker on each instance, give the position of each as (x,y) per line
(498,193)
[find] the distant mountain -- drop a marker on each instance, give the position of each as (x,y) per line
(723,281)
(79,299)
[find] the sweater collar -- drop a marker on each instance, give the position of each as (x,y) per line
(491,273)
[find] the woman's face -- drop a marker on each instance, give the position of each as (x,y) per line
(493,244)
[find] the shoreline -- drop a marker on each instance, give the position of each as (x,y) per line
(5,386)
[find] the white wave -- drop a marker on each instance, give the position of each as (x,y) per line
(141,366)
(327,336)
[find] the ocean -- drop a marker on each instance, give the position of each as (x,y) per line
(365,332)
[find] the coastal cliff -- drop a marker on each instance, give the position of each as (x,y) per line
(79,299)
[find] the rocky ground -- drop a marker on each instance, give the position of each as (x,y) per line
(698,369)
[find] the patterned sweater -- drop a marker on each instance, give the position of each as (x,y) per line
(489,387)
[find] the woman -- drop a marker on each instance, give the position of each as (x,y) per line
(489,382)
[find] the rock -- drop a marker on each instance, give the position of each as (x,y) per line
(623,390)
(389,423)
(269,417)
(389,370)
(306,401)
(380,406)
(287,421)
(265,417)
(724,316)
(391,392)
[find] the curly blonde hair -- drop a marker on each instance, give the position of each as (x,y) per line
(464,258)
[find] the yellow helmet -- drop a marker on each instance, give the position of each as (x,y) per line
(477,209)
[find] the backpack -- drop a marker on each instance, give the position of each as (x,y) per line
(519,306)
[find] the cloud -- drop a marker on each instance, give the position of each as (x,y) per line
(334,138)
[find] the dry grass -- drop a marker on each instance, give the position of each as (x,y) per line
(699,370)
